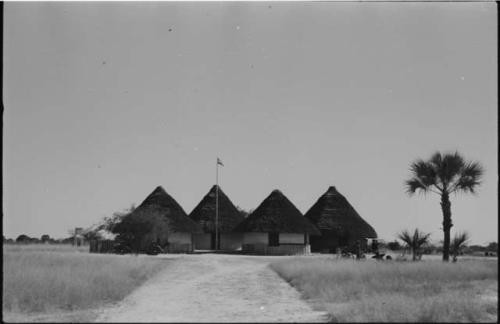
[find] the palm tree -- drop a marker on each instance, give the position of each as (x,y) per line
(458,242)
(443,175)
(415,241)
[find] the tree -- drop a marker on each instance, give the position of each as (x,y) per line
(140,230)
(68,240)
(415,241)
(23,239)
(459,241)
(107,223)
(493,246)
(45,238)
(444,175)
(394,246)
(430,248)
(110,222)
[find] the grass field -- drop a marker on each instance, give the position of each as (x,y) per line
(45,279)
(370,291)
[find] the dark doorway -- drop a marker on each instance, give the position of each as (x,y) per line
(344,238)
(212,241)
(327,242)
(274,239)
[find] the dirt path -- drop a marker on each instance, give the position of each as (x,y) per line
(214,288)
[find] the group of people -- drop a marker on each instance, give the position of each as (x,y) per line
(357,253)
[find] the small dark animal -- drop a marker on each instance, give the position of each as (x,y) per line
(154,249)
(388,257)
(378,256)
(348,255)
(121,248)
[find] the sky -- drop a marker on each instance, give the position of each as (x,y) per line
(105,101)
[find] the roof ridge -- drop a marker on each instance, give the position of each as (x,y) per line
(332,209)
(277,213)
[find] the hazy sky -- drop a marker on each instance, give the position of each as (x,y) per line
(105,101)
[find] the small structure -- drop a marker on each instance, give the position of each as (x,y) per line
(78,238)
(102,242)
(339,223)
(101,246)
(276,227)
(171,227)
(228,218)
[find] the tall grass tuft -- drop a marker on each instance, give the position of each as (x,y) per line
(53,278)
(367,291)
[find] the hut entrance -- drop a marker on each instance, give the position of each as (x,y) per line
(212,241)
(344,238)
(274,239)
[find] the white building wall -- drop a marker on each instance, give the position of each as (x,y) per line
(255,238)
(180,243)
(291,238)
(180,238)
(231,241)
(202,241)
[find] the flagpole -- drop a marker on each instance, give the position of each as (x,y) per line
(216,204)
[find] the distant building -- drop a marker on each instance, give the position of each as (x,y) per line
(78,238)
(276,227)
(339,223)
(228,218)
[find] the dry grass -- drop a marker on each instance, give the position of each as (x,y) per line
(45,248)
(52,278)
(370,291)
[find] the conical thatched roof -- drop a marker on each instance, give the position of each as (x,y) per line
(332,211)
(204,213)
(160,206)
(277,214)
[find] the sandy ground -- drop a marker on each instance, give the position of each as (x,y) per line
(214,288)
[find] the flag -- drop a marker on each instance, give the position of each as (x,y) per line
(219,162)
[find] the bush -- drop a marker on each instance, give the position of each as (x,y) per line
(394,246)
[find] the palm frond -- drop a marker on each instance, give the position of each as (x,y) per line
(424,171)
(413,185)
(415,240)
(436,160)
(405,236)
(422,239)
(473,169)
(459,241)
(470,177)
(423,177)
(467,185)
(452,165)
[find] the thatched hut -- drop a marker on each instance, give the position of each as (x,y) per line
(163,221)
(228,218)
(276,227)
(339,223)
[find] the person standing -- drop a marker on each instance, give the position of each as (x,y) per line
(358,250)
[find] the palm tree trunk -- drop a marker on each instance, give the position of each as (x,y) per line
(447,224)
